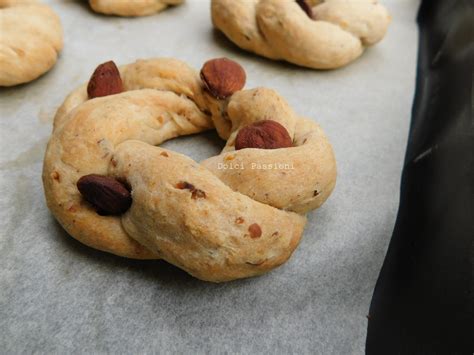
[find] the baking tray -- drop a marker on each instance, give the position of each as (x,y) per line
(57,295)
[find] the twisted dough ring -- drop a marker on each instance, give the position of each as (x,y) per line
(216,224)
(30,41)
(131,7)
(328,35)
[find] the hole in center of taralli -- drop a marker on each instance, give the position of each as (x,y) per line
(197,146)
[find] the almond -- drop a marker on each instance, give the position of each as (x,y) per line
(222,77)
(106,194)
(195,193)
(105,81)
(266,134)
(255,231)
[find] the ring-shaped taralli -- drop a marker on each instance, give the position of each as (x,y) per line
(131,7)
(30,41)
(316,34)
(216,223)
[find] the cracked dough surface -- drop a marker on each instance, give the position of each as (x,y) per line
(209,237)
(30,41)
(337,34)
(131,7)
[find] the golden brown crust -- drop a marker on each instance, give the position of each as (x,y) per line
(200,217)
(131,7)
(30,41)
(280,29)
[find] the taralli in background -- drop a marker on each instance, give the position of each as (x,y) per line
(131,7)
(30,40)
(316,34)
(234,215)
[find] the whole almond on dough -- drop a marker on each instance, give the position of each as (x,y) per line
(105,81)
(222,77)
(106,194)
(266,134)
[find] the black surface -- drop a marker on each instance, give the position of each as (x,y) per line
(423,300)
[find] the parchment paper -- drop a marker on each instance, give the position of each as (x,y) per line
(57,295)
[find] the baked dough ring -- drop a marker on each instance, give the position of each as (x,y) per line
(280,29)
(30,41)
(131,7)
(209,235)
